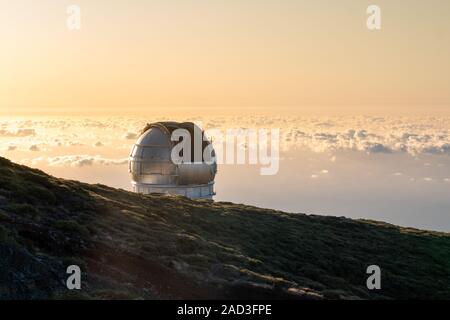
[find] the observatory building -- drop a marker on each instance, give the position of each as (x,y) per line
(153,170)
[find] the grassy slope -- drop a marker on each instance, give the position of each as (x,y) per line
(135,246)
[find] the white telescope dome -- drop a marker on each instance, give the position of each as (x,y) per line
(153,171)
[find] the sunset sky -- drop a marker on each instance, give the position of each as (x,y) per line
(291,57)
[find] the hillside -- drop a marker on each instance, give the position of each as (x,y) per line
(132,246)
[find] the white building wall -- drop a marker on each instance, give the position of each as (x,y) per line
(194,192)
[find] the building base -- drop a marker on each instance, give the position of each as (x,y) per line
(203,191)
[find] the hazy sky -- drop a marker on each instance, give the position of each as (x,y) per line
(228,56)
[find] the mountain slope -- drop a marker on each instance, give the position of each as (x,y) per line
(158,247)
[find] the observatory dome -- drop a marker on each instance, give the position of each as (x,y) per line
(153,170)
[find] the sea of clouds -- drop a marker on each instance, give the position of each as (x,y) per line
(393,169)
(59,141)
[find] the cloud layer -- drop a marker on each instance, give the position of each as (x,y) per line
(78,161)
(78,141)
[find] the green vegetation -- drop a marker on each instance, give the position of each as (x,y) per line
(132,246)
(71,226)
